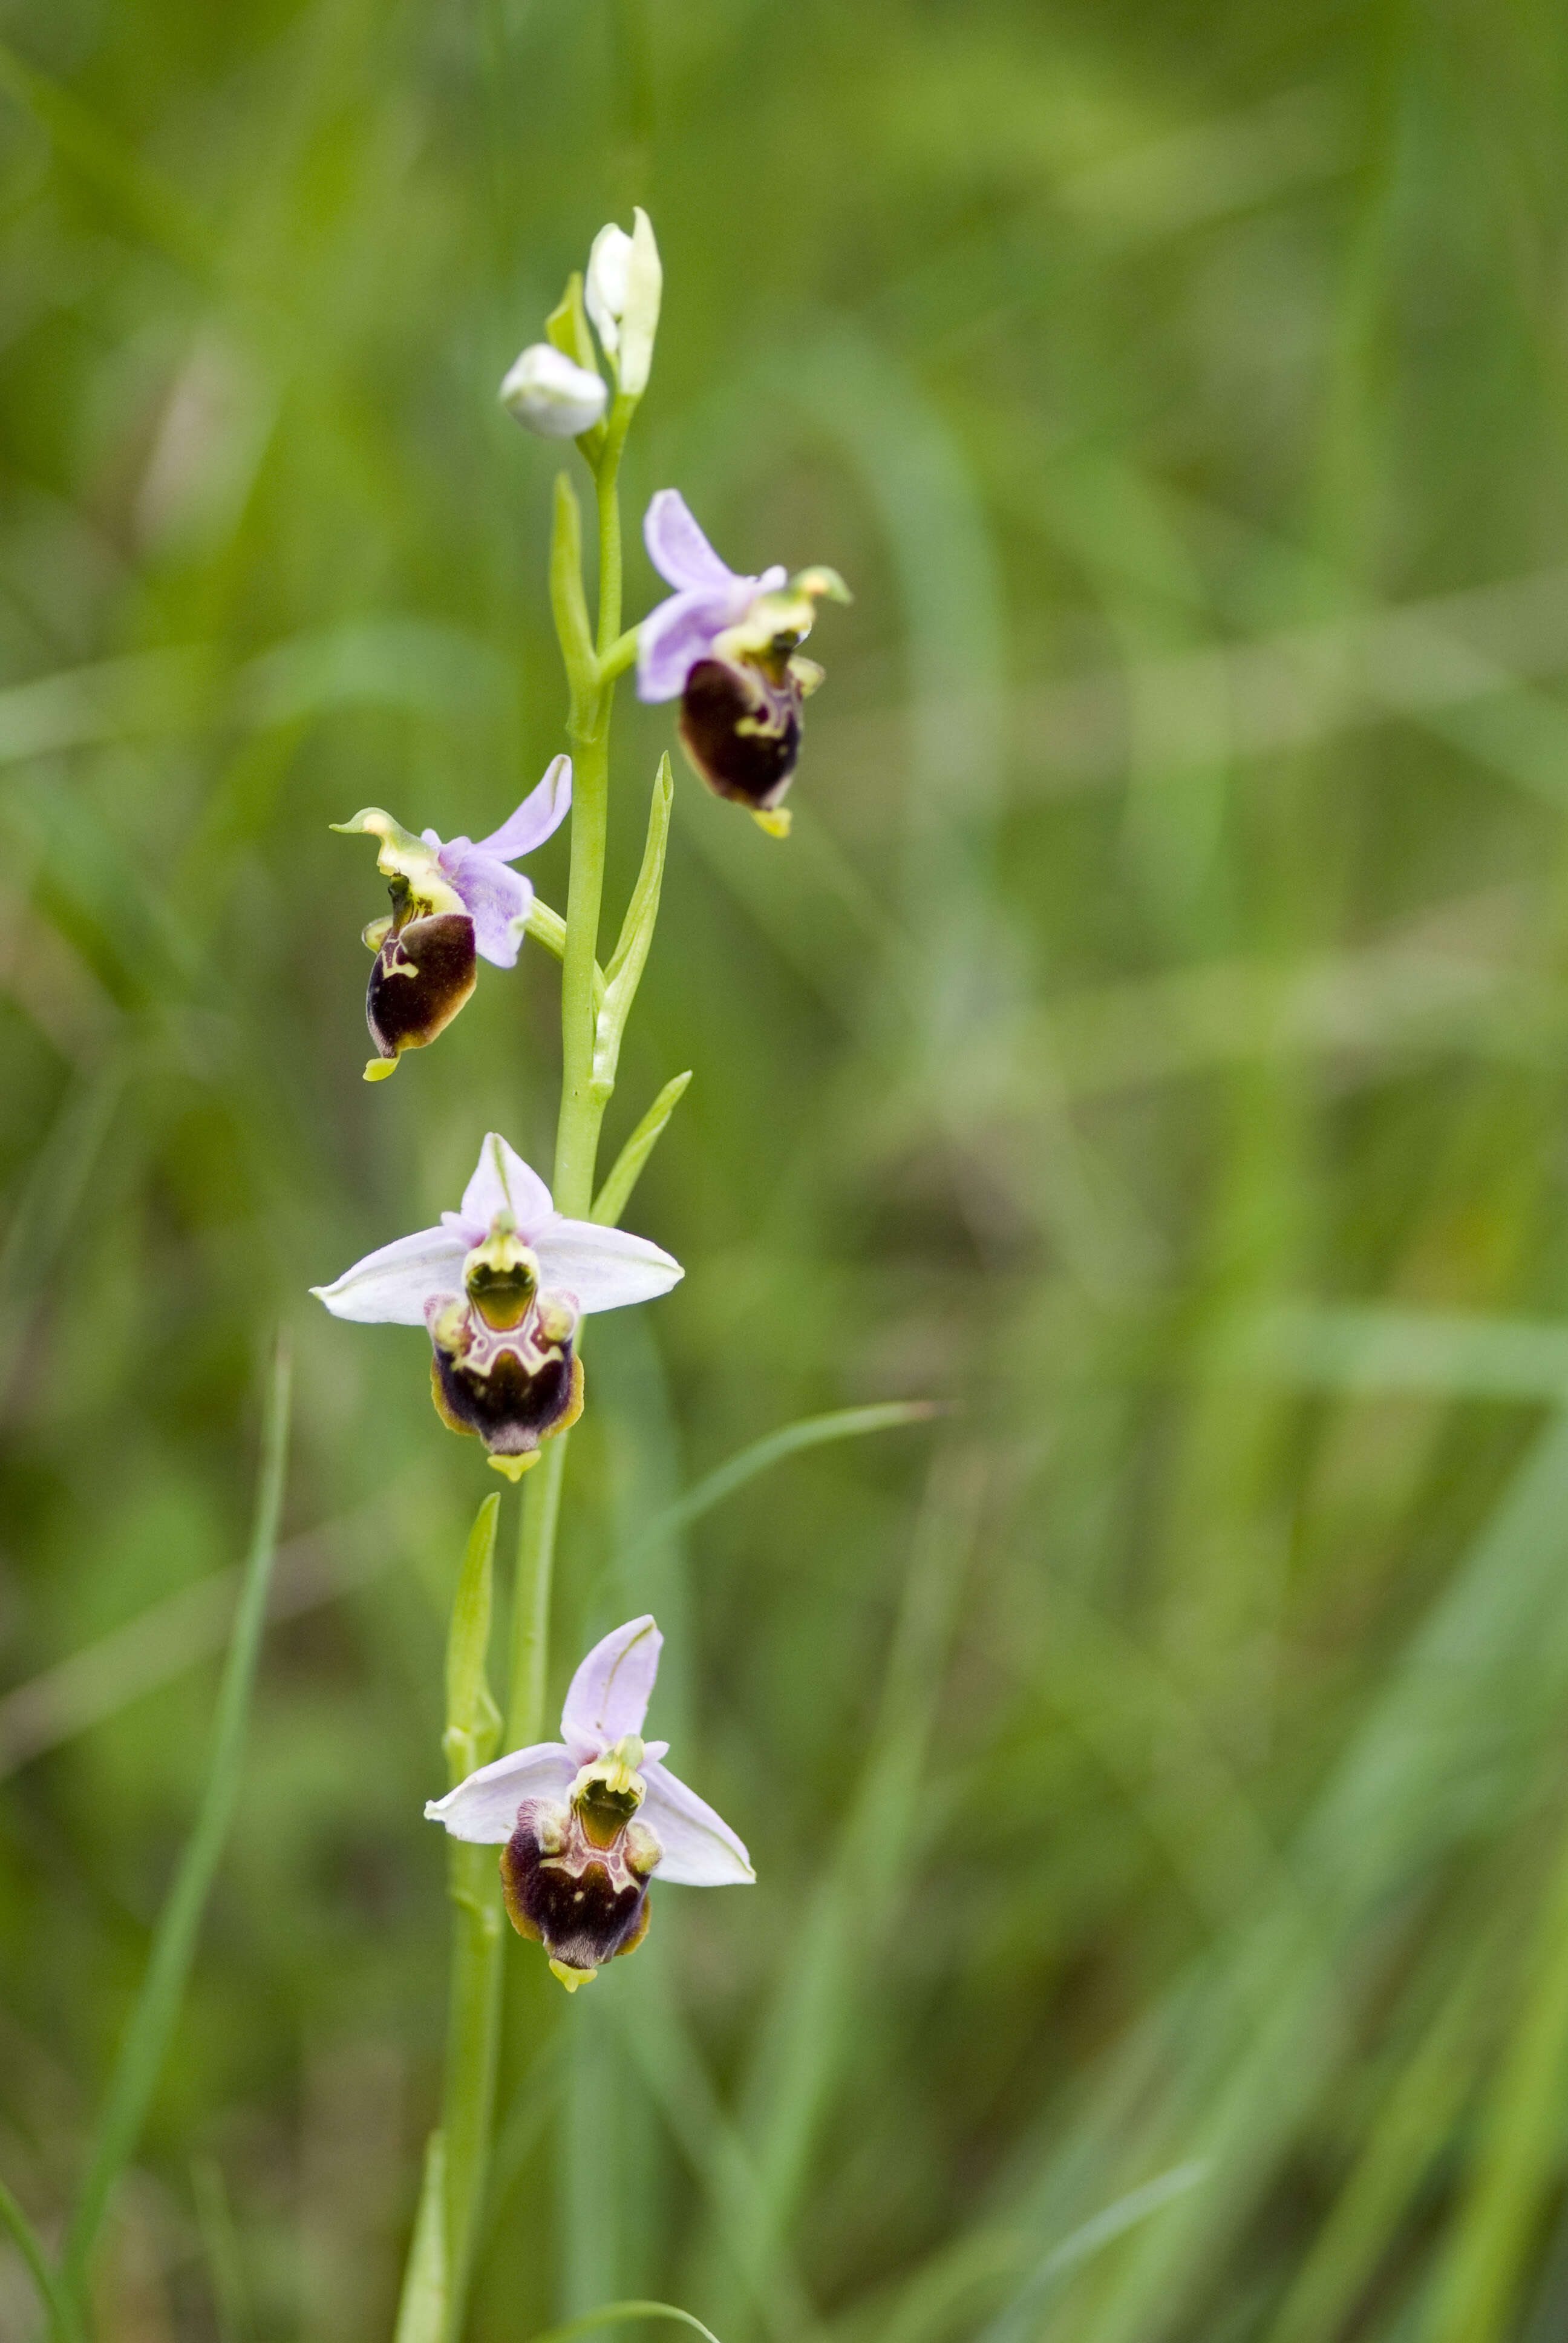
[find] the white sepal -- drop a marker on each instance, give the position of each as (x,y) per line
(391,1286)
(503,1182)
(700,1850)
(484,1808)
(608,1695)
(605,1269)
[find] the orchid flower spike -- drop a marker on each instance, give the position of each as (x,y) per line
(584,1823)
(449,901)
(552,394)
(727,646)
(501,1286)
(621,292)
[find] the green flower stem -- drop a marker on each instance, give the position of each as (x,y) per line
(473,1729)
(607,473)
(474,1993)
(619,655)
(582,1100)
(582,1108)
(531,1604)
(473,2032)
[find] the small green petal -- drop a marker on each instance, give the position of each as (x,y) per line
(822,582)
(404,856)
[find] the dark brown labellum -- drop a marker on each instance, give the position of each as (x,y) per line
(509,1388)
(584,1904)
(741,730)
(423,974)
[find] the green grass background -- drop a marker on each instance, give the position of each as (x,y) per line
(1151,1043)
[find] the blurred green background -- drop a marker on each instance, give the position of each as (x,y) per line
(1150,1041)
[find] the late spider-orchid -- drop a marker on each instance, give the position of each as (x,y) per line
(500,1285)
(728,647)
(585,1822)
(453,902)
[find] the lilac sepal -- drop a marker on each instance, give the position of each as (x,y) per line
(498,900)
(541,814)
(677,547)
(710,597)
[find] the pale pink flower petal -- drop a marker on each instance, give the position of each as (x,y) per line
(604,1269)
(541,814)
(484,1808)
(677,547)
(700,1850)
(608,1695)
(503,1182)
(392,1285)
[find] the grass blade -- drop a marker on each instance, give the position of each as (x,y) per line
(811,1432)
(659,2045)
(1448,1748)
(1420,2113)
(221,2251)
(422,2310)
(157,2007)
(1516,2168)
(608,2313)
(1448,1353)
(801,2048)
(61,2309)
(98,1680)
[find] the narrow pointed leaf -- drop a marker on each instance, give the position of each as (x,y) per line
(567,327)
(616,1193)
(624,973)
(568,601)
(627,962)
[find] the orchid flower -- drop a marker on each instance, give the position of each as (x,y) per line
(726,646)
(585,1821)
(500,1286)
(451,901)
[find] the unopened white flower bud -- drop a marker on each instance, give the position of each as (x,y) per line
(550,394)
(622,292)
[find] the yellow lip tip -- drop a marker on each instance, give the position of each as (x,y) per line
(378,1069)
(572,1978)
(776,824)
(514,1467)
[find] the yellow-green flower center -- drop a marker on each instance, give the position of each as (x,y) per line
(501,1276)
(607,1795)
